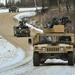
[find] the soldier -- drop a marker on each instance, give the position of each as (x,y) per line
(48,24)
(65,20)
(55,21)
(22,22)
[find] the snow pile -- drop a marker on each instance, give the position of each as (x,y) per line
(20,9)
(32,27)
(29,9)
(3,10)
(9,54)
(26,14)
(55,61)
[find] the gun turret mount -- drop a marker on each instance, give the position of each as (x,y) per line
(56,28)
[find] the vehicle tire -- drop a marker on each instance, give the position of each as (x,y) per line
(9,11)
(36,61)
(28,35)
(14,34)
(30,41)
(71,58)
(17,35)
(17,10)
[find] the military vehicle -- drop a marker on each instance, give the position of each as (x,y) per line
(13,9)
(21,31)
(56,43)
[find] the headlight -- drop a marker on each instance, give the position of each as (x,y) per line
(26,31)
(61,48)
(43,49)
(19,28)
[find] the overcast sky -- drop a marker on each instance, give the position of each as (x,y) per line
(2,1)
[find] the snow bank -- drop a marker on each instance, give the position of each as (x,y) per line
(3,10)
(32,27)
(9,54)
(26,14)
(20,9)
(29,9)
(55,61)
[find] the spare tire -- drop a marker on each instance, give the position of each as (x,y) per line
(30,41)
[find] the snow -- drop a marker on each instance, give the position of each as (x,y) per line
(32,27)
(55,61)
(26,14)
(9,54)
(20,9)
(3,10)
(29,9)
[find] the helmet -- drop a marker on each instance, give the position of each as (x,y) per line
(55,17)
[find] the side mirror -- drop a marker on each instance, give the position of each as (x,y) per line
(30,41)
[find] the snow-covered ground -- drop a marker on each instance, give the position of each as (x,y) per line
(30,9)
(26,14)
(20,9)
(9,53)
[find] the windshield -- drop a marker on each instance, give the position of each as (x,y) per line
(63,38)
(13,7)
(46,38)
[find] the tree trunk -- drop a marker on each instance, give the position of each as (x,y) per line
(6,3)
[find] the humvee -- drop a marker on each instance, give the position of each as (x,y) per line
(53,43)
(21,31)
(13,9)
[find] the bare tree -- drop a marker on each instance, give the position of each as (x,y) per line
(35,4)
(68,5)
(6,2)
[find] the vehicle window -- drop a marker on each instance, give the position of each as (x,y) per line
(63,38)
(13,7)
(17,27)
(46,38)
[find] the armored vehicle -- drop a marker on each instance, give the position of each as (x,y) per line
(53,43)
(21,31)
(13,9)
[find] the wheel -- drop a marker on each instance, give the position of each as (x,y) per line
(36,61)
(17,35)
(14,33)
(30,41)
(70,58)
(17,10)
(9,11)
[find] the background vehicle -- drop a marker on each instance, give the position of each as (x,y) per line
(13,9)
(21,31)
(53,43)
